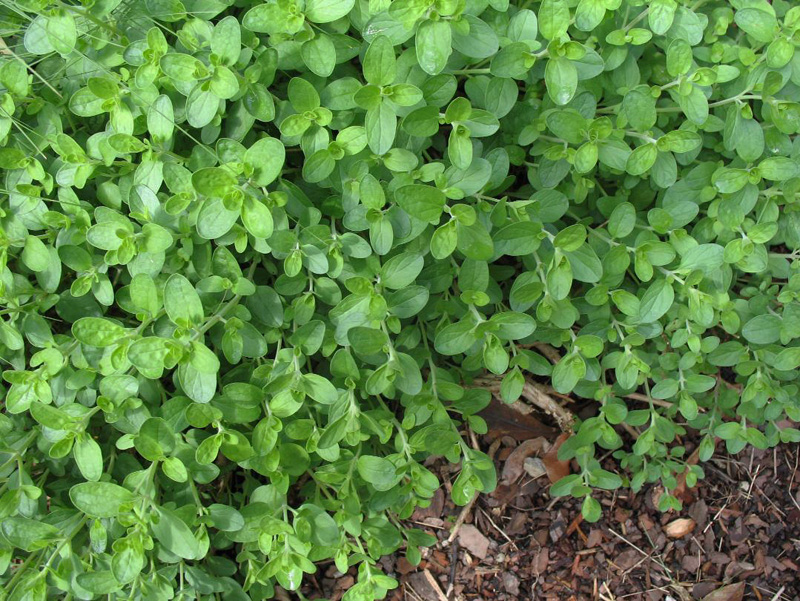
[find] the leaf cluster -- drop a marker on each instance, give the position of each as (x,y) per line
(253,256)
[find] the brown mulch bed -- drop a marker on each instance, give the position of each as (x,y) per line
(738,537)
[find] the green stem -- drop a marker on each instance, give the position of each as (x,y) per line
(219,315)
(471,71)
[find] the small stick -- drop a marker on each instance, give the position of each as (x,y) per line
(461,518)
(548,351)
(643,397)
(496,527)
(453,565)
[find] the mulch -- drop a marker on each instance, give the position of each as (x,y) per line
(737,537)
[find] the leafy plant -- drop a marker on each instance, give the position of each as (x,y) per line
(255,253)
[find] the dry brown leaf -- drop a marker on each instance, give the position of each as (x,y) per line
(731,592)
(504,420)
(680,527)
(515,464)
(556,469)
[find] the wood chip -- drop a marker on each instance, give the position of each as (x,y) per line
(534,467)
(732,592)
(473,541)
(511,583)
(595,538)
(426,586)
(558,527)
(540,562)
(679,528)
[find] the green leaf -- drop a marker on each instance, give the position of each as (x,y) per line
(303,96)
(88,457)
(564,486)
(100,499)
(707,257)
(425,203)
(622,220)
(779,168)
(62,31)
(319,55)
(495,357)
(661,15)
(201,107)
(28,534)
(679,141)
(226,41)
(553,19)
(266,157)
(266,18)
(433,44)
(318,166)
(379,472)
(161,119)
(656,301)
(475,242)
(455,338)
(444,240)
(591,510)
(401,270)
(325,11)
(567,373)
(213,181)
(589,14)
(257,218)
(512,386)
(380,65)
(641,159)
(154,440)
(182,302)
(214,220)
(174,535)
(381,125)
(515,239)
(98,332)
(561,78)
(570,238)
(35,255)
(762,329)
(758,22)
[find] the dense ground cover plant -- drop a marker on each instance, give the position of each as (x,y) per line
(254,254)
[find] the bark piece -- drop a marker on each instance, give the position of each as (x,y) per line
(534,467)
(426,586)
(680,527)
(731,592)
(473,541)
